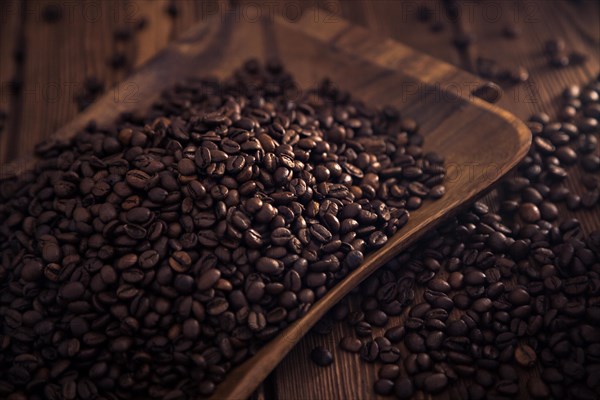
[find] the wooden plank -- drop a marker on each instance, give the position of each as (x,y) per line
(400,20)
(11,20)
(62,55)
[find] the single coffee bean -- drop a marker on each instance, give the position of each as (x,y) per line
(404,388)
(321,356)
(350,344)
(384,387)
(435,383)
(370,351)
(529,212)
(389,371)
(525,356)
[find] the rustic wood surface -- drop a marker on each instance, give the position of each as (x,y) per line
(60,56)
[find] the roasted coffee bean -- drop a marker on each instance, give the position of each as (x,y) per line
(404,388)
(395,334)
(435,383)
(350,344)
(376,317)
(321,356)
(180,261)
(383,386)
(529,212)
(389,371)
(525,356)
(369,351)
(415,343)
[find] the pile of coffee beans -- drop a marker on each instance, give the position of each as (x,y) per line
(498,305)
(148,259)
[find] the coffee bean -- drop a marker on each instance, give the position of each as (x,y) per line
(269,265)
(321,356)
(474,278)
(180,261)
(525,356)
(384,387)
(376,317)
(208,279)
(456,280)
(435,383)
(389,371)
(369,351)
(137,179)
(529,212)
(519,296)
(72,291)
(404,388)
(395,334)
(415,343)
(350,344)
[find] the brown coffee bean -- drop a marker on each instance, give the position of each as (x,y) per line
(321,356)
(529,212)
(350,344)
(180,261)
(525,356)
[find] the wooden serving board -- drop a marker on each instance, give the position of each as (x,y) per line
(479,141)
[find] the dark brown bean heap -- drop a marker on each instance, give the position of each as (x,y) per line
(147,260)
(502,294)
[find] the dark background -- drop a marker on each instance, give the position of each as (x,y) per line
(57,56)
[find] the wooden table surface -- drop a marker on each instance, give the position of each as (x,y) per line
(44,66)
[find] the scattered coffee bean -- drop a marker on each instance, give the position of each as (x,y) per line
(351,344)
(321,356)
(404,388)
(520,280)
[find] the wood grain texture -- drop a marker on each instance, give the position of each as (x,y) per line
(11,32)
(297,377)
